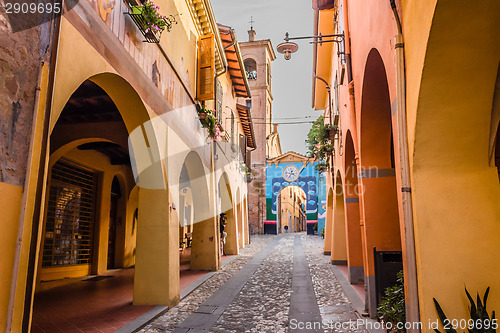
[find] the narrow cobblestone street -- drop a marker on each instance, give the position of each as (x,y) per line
(275,285)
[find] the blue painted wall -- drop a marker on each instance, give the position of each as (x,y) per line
(307,181)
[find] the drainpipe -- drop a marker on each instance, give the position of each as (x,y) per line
(350,81)
(412,309)
(347,41)
(329,90)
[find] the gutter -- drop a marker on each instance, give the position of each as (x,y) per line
(412,302)
(240,60)
(242,65)
(213,23)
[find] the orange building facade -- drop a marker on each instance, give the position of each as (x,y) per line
(414,177)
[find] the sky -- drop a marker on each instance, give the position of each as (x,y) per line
(292,79)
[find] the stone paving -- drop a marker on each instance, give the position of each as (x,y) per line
(168,321)
(333,303)
(263,303)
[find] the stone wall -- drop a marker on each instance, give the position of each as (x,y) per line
(21,54)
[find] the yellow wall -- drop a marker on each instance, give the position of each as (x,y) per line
(290,208)
(10,204)
(455,190)
(80,59)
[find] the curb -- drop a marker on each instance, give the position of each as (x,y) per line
(353,297)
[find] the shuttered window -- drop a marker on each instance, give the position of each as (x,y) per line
(69,225)
(206,67)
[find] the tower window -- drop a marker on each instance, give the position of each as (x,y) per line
(251,69)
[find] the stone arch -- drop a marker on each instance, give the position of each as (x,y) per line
(98,141)
(251,68)
(245,220)
(327,246)
(379,204)
(455,187)
(227,205)
(354,231)
(284,197)
(339,245)
(204,252)
(239,211)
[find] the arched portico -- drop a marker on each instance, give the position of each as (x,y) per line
(327,245)
(245,220)
(91,184)
(204,252)
(241,229)
(453,126)
(354,231)
(339,246)
(378,196)
(228,208)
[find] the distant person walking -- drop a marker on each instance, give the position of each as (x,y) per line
(223,233)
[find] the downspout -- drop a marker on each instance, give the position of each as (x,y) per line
(350,81)
(412,308)
(315,58)
(214,153)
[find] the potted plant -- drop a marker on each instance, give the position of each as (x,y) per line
(322,167)
(202,113)
(481,320)
(330,132)
(150,22)
(246,172)
(210,122)
(392,308)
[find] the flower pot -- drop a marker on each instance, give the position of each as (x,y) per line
(202,115)
(137,15)
(332,134)
(136,9)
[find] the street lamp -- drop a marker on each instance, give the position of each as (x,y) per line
(287,48)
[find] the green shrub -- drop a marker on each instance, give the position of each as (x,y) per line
(392,307)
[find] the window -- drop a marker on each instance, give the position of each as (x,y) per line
(251,69)
(232,127)
(336,93)
(206,67)
(268,68)
(218,100)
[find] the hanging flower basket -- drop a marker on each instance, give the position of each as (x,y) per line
(209,121)
(330,132)
(150,22)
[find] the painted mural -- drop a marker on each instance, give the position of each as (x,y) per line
(299,171)
(321,201)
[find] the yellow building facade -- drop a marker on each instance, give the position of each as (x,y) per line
(291,203)
(119,167)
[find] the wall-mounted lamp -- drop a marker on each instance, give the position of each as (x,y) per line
(287,48)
